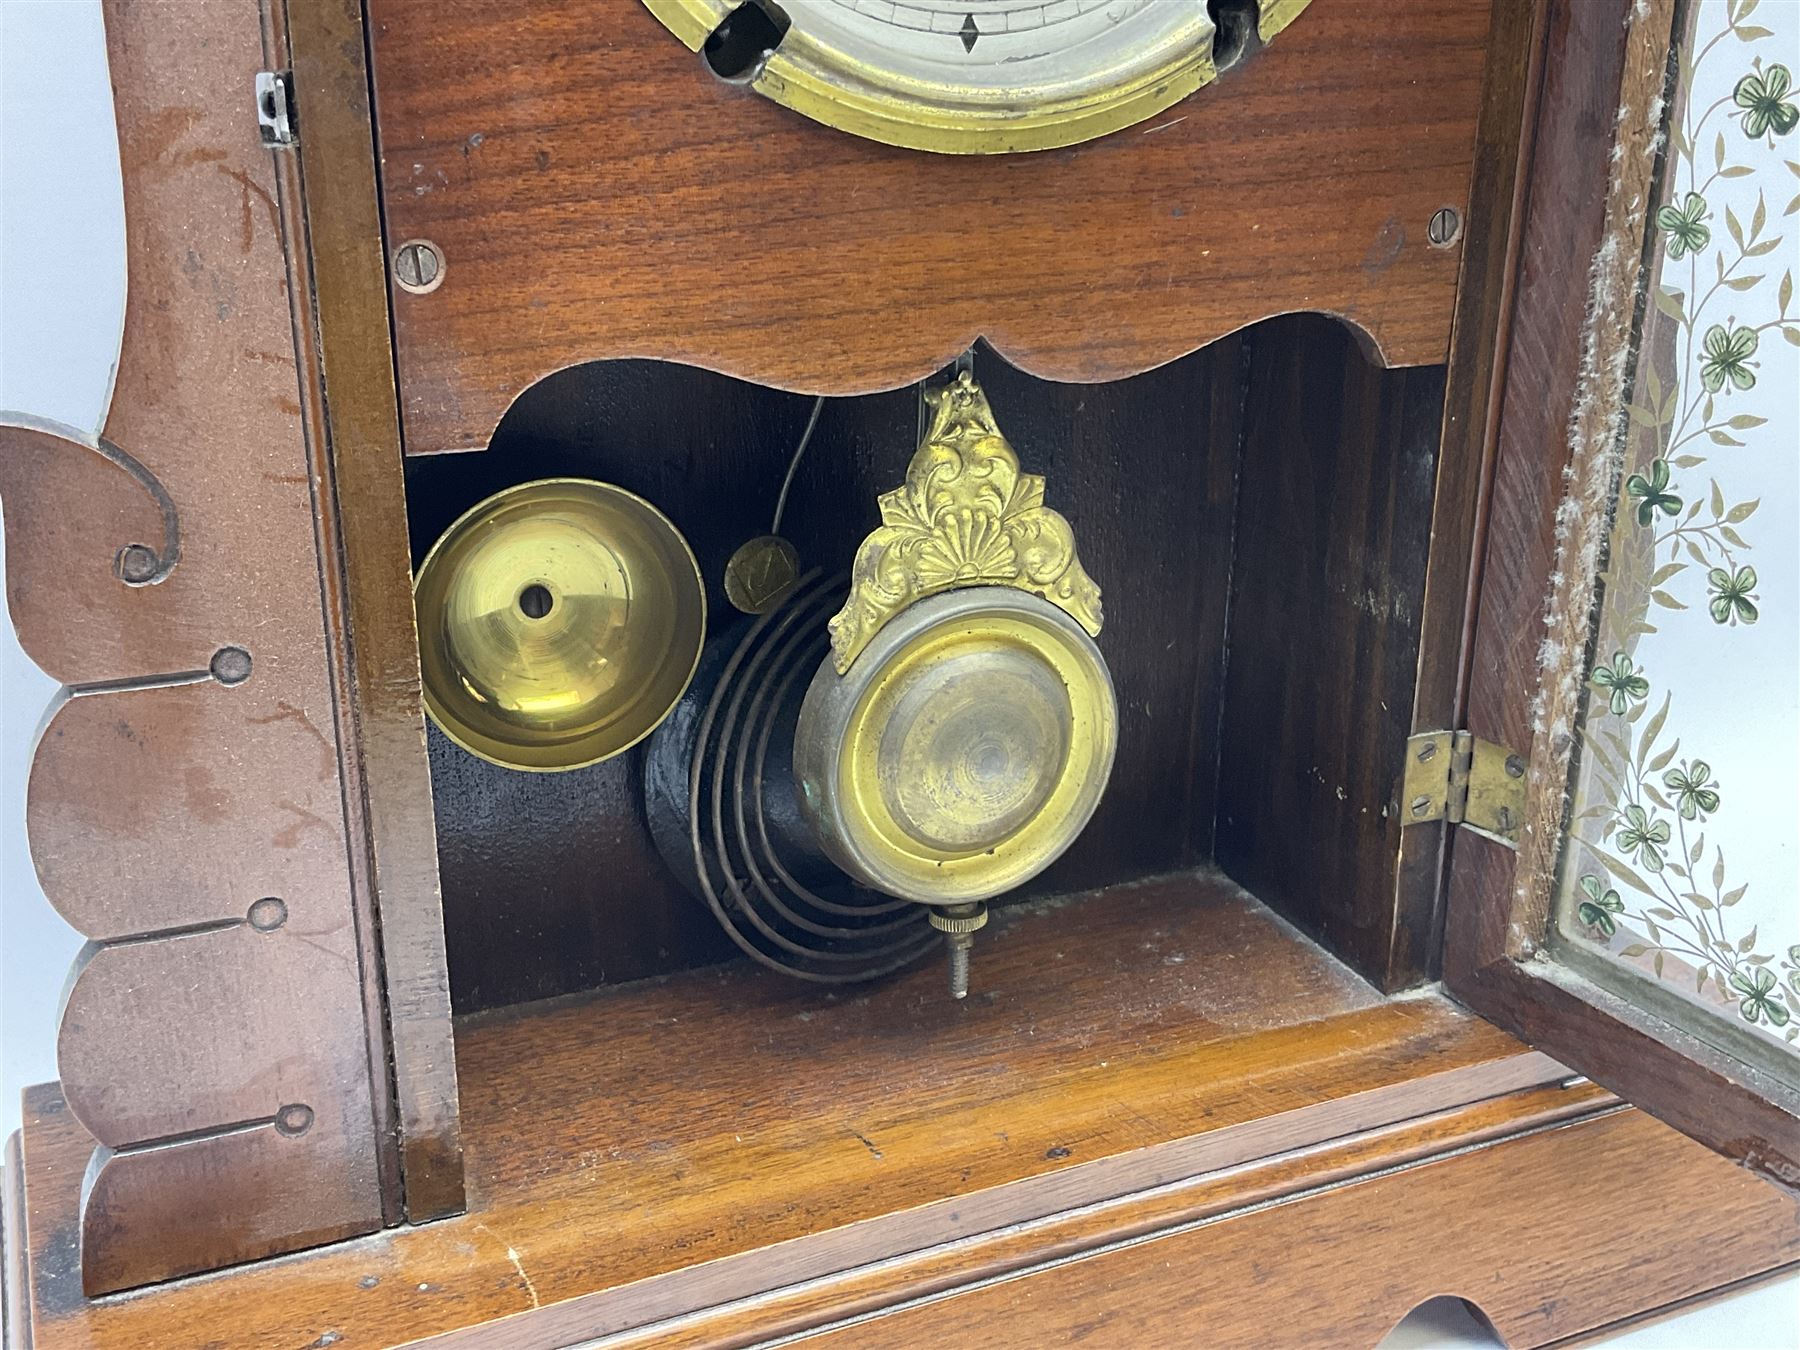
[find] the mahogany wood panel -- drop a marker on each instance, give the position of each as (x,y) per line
(1604,83)
(246,774)
(1478,347)
(1334,525)
(255,1057)
(1279,1176)
(551,882)
(597,194)
(1501,1228)
(731,1133)
(241,1195)
(368,595)
(180,1054)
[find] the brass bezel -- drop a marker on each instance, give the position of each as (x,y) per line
(821,84)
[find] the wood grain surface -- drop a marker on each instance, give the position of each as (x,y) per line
(1465,465)
(368,596)
(1532,1231)
(597,194)
(729,1133)
(166,804)
(1334,525)
(1603,89)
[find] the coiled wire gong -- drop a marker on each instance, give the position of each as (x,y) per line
(720,795)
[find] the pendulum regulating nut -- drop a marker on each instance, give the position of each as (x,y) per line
(959,924)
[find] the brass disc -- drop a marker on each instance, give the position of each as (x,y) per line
(559,622)
(963,751)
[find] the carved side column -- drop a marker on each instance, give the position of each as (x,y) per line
(186,807)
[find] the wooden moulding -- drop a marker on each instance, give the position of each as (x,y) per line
(186,807)
(368,587)
(1490,262)
(1566,371)
(597,194)
(721,1157)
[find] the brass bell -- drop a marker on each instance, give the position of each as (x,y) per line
(559,622)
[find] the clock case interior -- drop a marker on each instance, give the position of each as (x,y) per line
(1257,515)
(1234,957)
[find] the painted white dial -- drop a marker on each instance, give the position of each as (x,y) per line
(1007,49)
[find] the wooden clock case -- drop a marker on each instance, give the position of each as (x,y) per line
(453,1044)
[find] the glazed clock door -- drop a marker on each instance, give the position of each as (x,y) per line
(1635,635)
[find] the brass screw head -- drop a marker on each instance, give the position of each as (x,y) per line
(959,918)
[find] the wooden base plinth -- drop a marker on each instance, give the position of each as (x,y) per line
(1164,1118)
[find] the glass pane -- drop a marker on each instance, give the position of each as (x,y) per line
(1681,866)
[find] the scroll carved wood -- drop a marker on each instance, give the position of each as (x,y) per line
(186,806)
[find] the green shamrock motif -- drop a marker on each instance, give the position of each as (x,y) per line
(1652,492)
(1728,352)
(1755,985)
(1622,681)
(1682,225)
(1644,837)
(1767,107)
(1598,909)
(1731,598)
(1696,795)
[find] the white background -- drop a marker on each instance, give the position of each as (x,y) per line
(61,306)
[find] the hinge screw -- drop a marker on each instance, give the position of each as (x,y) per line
(1421,804)
(1515,767)
(1427,752)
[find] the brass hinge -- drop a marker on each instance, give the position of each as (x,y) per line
(1455,776)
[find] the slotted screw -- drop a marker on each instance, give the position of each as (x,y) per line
(418,266)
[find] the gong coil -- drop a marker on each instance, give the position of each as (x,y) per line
(720,795)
